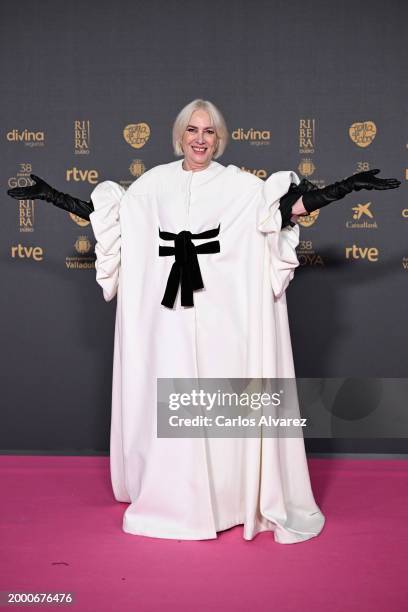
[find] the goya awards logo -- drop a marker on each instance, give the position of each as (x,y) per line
(306,254)
(306,167)
(82,137)
(308,220)
(307,136)
(137,168)
(363,133)
(363,217)
(26,208)
(252,136)
(136,134)
(86,259)
(28,137)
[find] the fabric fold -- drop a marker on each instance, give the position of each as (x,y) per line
(105,221)
(282,243)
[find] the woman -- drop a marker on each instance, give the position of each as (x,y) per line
(200,256)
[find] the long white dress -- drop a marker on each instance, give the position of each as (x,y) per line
(238,327)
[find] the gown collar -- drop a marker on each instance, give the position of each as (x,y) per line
(200,176)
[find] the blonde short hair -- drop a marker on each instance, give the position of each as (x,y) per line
(217,120)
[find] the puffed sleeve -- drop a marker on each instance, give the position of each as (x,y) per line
(105,221)
(282,243)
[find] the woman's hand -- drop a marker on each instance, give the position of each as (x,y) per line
(38,191)
(367,180)
(42,191)
(317,198)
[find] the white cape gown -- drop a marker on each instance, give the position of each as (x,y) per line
(192,488)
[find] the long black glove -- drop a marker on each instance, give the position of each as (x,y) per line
(293,194)
(315,198)
(42,191)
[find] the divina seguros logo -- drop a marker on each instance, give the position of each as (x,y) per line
(252,136)
(29,138)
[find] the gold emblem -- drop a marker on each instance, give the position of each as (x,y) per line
(363,133)
(308,220)
(306,167)
(78,220)
(82,244)
(136,134)
(137,167)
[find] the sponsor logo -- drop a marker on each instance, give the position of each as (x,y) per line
(355,252)
(307,136)
(136,134)
(78,220)
(82,137)
(29,138)
(306,167)
(361,214)
(20,251)
(78,175)
(308,220)
(86,258)
(137,168)
(363,133)
(259,172)
(252,136)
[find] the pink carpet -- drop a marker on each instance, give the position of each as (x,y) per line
(61,531)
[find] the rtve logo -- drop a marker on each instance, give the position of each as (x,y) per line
(77,175)
(22,252)
(356,252)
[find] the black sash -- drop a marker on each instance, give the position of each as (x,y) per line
(185,270)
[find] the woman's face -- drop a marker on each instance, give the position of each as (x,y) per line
(199,141)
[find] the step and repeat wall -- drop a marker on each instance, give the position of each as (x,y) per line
(90,93)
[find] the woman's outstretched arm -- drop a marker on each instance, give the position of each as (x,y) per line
(306,197)
(40,190)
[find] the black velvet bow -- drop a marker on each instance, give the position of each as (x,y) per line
(185,270)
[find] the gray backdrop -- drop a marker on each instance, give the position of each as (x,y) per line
(268,66)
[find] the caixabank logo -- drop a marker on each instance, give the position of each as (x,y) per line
(30,138)
(253,136)
(136,134)
(362,217)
